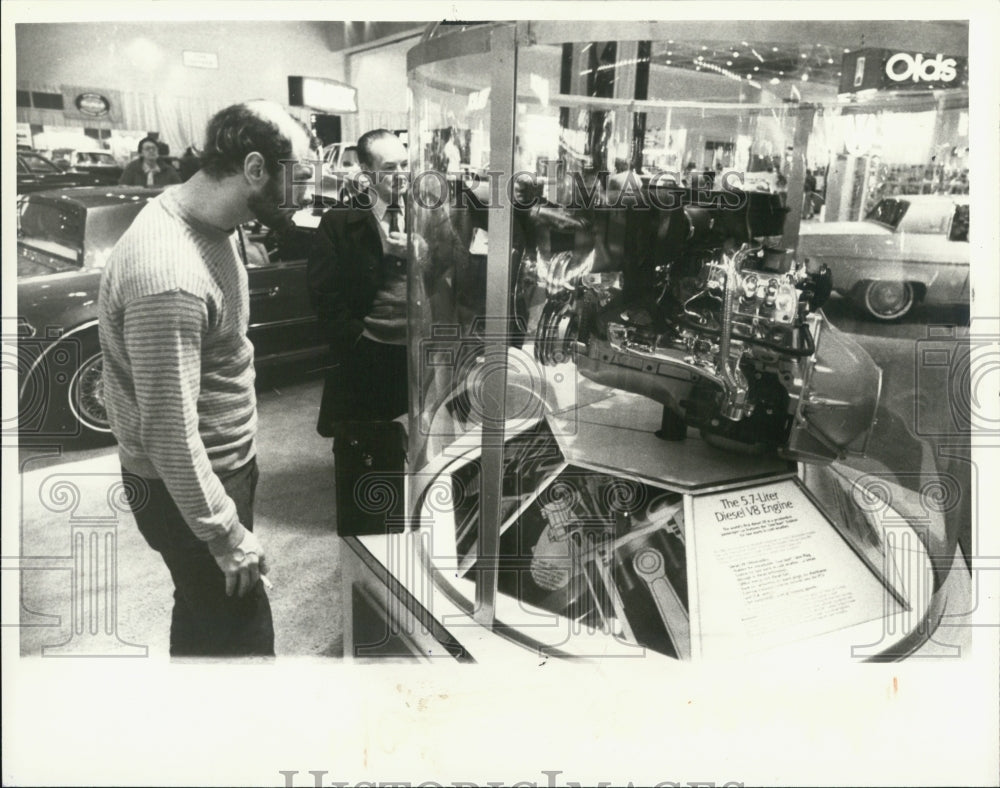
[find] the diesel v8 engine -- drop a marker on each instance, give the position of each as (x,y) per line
(685,299)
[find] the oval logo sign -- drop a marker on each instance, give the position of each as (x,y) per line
(92,104)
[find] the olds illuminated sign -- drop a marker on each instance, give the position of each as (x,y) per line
(887,69)
(903,67)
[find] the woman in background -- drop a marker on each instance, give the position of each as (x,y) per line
(148,170)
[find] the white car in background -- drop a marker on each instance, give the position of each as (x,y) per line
(340,162)
(98,163)
(908,249)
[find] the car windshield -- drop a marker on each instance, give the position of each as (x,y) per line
(56,229)
(64,234)
(928,218)
(889,212)
(36,163)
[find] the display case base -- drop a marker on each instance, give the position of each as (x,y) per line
(728,557)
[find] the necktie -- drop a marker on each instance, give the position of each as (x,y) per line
(393,212)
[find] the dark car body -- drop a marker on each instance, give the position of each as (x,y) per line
(908,249)
(35,173)
(64,240)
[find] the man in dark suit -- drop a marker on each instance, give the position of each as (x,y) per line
(357,276)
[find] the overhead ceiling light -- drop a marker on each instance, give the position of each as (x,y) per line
(756,68)
(803,55)
(744,43)
(829,61)
(669,62)
(775,80)
(729,62)
(735,53)
(805,77)
(846,50)
(774,49)
(669,52)
(704,48)
(781,73)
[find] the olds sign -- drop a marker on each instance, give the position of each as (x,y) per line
(93,104)
(904,67)
(887,69)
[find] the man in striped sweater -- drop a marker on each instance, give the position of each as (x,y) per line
(179,377)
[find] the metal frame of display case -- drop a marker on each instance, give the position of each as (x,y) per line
(501,41)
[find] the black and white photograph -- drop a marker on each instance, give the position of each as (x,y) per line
(500,393)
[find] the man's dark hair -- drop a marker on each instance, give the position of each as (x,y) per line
(365,142)
(236,132)
(144,140)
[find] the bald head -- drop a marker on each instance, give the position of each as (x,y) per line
(261,127)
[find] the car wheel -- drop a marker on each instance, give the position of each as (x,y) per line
(86,393)
(885,299)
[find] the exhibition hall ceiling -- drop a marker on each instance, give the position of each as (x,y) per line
(348,35)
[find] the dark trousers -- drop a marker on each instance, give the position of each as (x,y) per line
(369,384)
(205,622)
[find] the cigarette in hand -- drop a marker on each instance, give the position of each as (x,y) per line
(267,583)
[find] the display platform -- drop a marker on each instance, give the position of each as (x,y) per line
(687,552)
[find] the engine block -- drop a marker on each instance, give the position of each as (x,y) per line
(725,331)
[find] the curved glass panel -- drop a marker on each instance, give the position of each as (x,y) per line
(684,431)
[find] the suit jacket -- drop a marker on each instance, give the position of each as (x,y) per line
(346,265)
(344,272)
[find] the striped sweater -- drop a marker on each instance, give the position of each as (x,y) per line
(178,367)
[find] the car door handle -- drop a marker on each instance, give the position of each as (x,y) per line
(268,292)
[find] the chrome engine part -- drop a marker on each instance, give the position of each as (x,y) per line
(728,338)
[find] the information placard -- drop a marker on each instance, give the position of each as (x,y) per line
(770,569)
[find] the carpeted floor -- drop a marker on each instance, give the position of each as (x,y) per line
(294,517)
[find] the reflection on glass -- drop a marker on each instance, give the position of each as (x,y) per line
(666,195)
(603,550)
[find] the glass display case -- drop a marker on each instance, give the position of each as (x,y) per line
(632,429)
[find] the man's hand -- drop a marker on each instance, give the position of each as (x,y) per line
(243,565)
(395,244)
(421,250)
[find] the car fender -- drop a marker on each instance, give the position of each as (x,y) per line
(851,272)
